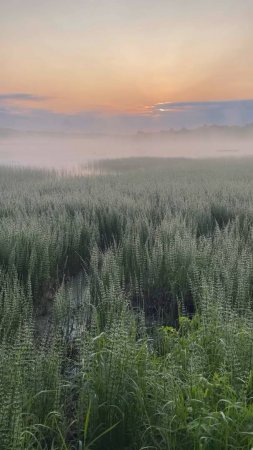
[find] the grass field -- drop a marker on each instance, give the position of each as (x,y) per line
(126,306)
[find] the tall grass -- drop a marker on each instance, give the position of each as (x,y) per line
(126,307)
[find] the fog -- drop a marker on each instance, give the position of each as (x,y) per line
(71,153)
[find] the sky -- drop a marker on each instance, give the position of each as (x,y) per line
(125,65)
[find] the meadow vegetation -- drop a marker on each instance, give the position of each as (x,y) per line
(144,278)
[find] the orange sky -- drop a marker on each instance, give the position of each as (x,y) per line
(124,56)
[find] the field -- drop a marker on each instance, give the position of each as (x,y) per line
(126,305)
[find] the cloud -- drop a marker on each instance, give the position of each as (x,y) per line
(203,106)
(226,112)
(162,116)
(22,96)
(84,121)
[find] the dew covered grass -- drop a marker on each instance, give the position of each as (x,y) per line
(145,277)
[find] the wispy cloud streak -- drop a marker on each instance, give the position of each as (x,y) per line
(203,106)
(22,96)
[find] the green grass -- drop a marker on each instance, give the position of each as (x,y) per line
(152,347)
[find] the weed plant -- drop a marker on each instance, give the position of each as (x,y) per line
(144,275)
